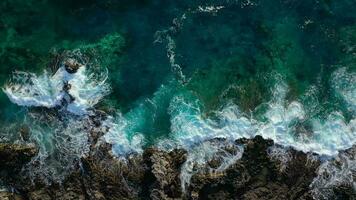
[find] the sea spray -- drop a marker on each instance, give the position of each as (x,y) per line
(278,123)
(61,142)
(119,136)
(62,122)
(28,89)
(335,174)
(76,92)
(190,128)
(222,153)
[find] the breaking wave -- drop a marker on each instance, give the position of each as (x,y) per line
(62,125)
(63,137)
(76,92)
(190,127)
(327,136)
(117,134)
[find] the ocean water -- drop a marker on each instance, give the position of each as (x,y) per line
(177,74)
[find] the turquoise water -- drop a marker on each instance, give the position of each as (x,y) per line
(182,72)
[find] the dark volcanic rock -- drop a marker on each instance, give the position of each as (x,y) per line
(163,173)
(256,176)
(12,159)
(105,177)
(4,195)
(98,176)
(14,156)
(156,175)
(71,65)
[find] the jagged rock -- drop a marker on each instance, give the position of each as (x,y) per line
(14,156)
(156,175)
(105,177)
(256,176)
(71,65)
(164,170)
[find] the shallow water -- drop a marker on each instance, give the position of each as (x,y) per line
(182,72)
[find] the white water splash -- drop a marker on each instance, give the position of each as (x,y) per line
(335,173)
(29,89)
(328,137)
(118,135)
(61,144)
(86,90)
(189,127)
(224,152)
(62,137)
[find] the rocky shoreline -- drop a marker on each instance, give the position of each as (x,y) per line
(259,169)
(156,175)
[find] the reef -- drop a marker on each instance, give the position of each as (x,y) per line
(155,174)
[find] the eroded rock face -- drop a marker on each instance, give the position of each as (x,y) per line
(14,156)
(162,177)
(156,175)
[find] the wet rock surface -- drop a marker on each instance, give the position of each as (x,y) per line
(5,195)
(156,175)
(14,156)
(71,65)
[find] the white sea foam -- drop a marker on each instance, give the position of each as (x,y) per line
(225,152)
(329,136)
(62,138)
(335,173)
(61,144)
(344,84)
(281,155)
(28,89)
(190,129)
(86,90)
(167,36)
(209,9)
(118,135)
